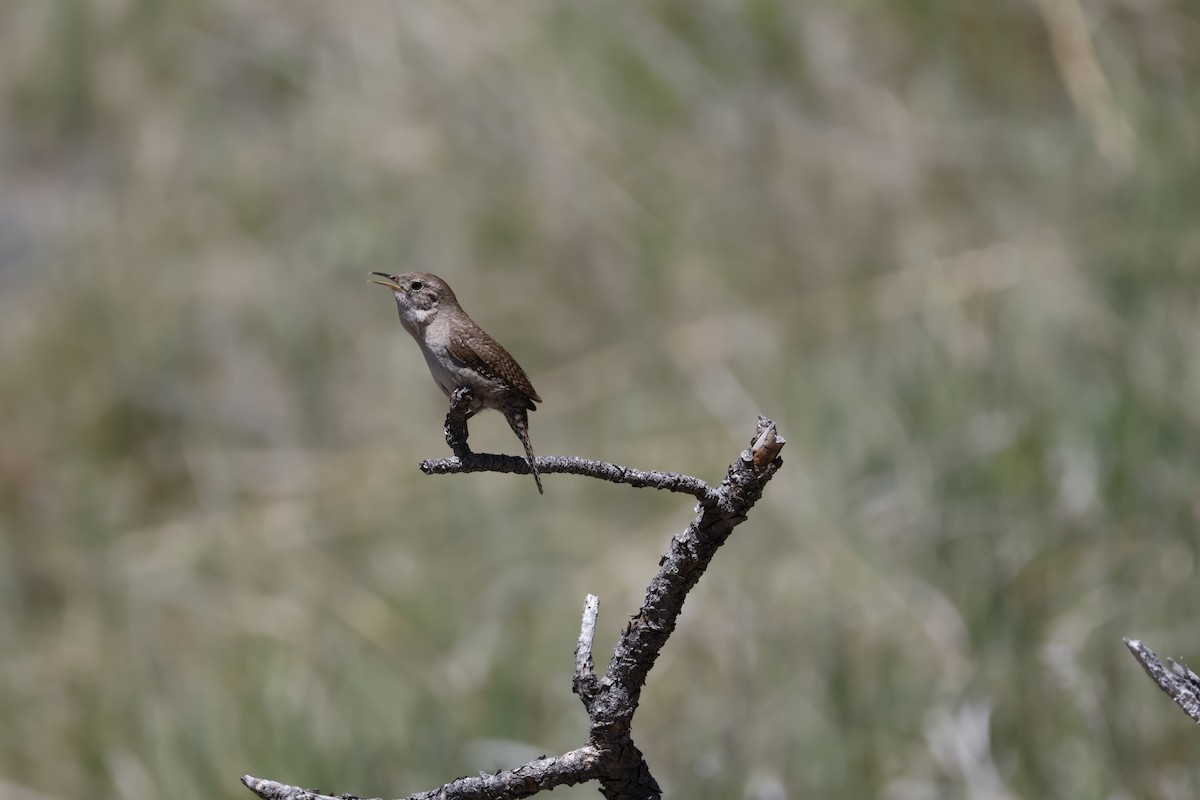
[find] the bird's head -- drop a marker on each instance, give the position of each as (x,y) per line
(418,295)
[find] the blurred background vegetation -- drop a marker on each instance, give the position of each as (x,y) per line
(952,248)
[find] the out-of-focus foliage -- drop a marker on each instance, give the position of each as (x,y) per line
(952,248)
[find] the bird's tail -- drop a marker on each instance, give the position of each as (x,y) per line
(518,420)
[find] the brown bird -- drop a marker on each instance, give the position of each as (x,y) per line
(461,354)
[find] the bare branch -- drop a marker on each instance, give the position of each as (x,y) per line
(610,755)
(271,790)
(1180,683)
(538,775)
(586,684)
(687,557)
(466,461)
(569,465)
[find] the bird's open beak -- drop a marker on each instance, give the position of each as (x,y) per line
(389,281)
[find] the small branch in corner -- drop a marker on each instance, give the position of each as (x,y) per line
(1180,683)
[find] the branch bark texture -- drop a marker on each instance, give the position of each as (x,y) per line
(610,755)
(1180,683)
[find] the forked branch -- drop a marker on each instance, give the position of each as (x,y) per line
(610,755)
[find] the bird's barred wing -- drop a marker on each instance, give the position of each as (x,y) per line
(474,349)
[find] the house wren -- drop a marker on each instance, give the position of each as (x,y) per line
(460,354)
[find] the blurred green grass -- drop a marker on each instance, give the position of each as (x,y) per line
(967,292)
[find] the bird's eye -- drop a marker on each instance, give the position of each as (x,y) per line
(416,286)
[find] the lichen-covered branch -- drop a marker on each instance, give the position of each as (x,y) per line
(1180,683)
(610,756)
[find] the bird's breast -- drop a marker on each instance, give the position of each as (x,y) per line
(444,374)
